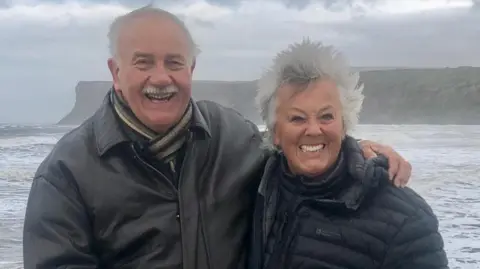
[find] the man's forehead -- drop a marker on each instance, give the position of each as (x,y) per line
(149,33)
(152,23)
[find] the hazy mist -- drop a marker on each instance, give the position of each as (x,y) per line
(48,46)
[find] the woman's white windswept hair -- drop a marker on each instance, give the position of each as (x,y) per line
(303,63)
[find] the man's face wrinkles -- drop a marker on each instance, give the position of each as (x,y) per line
(154,75)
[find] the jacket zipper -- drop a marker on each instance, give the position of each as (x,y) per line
(257,255)
(188,148)
(180,185)
(201,205)
(151,167)
(180,176)
(278,255)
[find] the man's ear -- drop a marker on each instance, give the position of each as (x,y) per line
(114,70)
(194,62)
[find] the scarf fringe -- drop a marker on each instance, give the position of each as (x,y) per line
(163,146)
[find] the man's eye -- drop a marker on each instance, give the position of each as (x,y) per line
(174,64)
(143,62)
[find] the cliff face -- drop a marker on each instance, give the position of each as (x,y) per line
(406,96)
(237,95)
(89,96)
(428,96)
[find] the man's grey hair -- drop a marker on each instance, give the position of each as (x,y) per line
(119,22)
(301,64)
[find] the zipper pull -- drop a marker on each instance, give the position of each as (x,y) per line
(172,166)
(285,218)
(283,228)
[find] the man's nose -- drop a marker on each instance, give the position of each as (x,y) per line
(160,76)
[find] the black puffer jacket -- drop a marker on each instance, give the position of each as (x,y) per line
(96,203)
(352,219)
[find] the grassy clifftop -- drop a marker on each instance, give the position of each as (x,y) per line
(393,96)
(435,96)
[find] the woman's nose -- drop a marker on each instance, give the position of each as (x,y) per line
(314,129)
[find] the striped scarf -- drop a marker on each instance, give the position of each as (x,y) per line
(163,146)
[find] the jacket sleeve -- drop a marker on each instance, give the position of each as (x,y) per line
(56,229)
(417,245)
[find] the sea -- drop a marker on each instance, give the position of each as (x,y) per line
(446,172)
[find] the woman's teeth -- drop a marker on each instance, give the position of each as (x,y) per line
(312,148)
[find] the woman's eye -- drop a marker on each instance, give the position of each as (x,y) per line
(328,116)
(297,119)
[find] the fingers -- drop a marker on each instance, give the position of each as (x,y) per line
(369,153)
(367,149)
(393,162)
(404,173)
(393,169)
(399,169)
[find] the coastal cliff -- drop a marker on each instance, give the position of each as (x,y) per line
(400,96)
(237,95)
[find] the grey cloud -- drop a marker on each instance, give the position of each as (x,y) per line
(196,21)
(203,23)
(300,4)
(42,63)
(437,40)
(334,5)
(297,4)
(476,5)
(128,3)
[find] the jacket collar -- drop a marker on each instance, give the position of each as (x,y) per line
(367,176)
(108,129)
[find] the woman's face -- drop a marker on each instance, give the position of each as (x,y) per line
(309,127)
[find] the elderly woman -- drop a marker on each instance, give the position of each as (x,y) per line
(321,204)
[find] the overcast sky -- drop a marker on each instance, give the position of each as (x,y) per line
(46,47)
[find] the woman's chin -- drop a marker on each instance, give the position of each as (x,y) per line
(314,170)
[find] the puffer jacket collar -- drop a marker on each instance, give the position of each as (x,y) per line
(367,175)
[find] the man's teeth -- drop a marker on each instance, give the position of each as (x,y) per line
(312,148)
(159,96)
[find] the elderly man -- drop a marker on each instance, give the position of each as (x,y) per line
(152,179)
